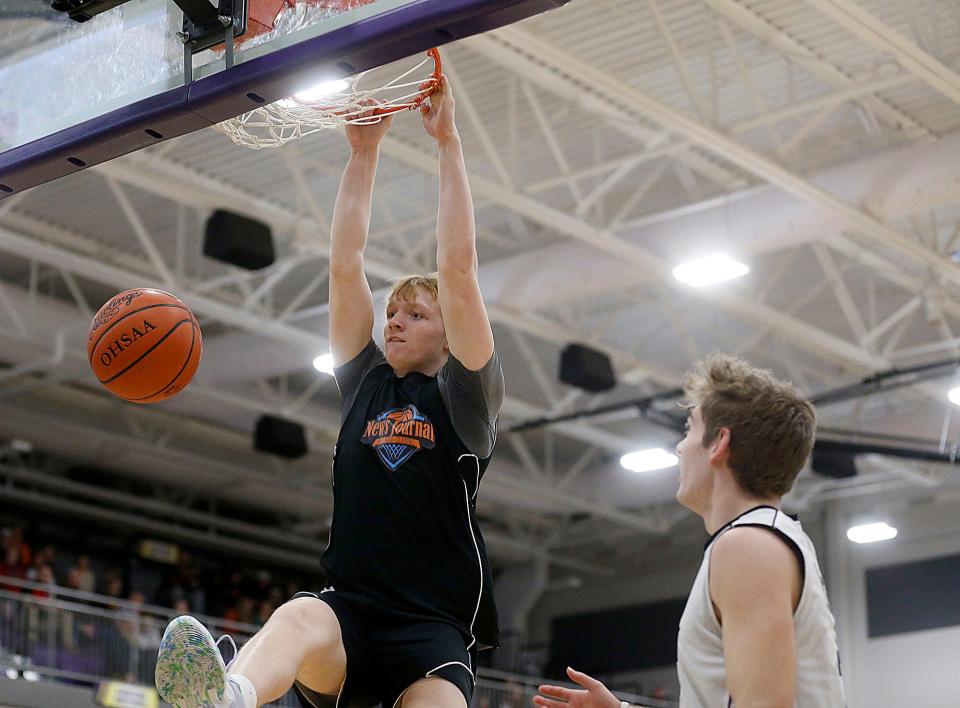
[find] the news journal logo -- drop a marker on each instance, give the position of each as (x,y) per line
(398,434)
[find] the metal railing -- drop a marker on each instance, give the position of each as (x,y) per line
(82,637)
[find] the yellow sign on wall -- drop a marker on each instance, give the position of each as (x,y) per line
(116,694)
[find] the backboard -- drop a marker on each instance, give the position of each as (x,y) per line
(74,94)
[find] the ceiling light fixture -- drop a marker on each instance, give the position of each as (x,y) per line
(709,270)
(648,460)
(324,363)
(871,533)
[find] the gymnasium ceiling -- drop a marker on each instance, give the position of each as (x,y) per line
(607,141)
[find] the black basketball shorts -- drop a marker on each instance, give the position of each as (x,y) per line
(388,651)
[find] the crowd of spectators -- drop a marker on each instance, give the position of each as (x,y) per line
(122,606)
(189,585)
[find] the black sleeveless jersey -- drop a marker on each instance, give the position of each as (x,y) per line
(404,529)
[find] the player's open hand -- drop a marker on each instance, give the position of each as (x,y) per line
(593,695)
(368,134)
(438,112)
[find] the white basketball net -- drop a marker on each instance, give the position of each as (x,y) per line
(277,123)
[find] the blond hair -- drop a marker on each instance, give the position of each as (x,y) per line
(405,289)
(771,424)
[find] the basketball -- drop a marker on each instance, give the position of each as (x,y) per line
(144,345)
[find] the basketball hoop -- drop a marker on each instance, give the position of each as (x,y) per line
(273,125)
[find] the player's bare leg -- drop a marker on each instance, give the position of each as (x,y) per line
(301,641)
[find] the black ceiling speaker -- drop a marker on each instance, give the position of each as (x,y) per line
(586,368)
(238,240)
(280,437)
(832,463)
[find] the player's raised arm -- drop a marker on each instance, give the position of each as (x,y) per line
(351,302)
(469,336)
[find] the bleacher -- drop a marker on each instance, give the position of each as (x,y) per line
(59,647)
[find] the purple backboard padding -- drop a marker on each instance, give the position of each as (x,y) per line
(372,42)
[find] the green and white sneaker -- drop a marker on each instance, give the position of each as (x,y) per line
(190,671)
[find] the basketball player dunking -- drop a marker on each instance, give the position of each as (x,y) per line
(757,629)
(409,598)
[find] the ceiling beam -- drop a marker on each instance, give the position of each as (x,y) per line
(159,176)
(523,48)
(271,328)
(814,340)
(805,58)
(101,272)
(188,461)
(879,35)
(615,117)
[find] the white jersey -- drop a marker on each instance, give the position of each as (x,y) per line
(700,664)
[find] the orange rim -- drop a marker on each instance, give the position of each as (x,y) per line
(414,103)
(424,94)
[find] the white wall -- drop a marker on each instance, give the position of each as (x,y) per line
(913,669)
